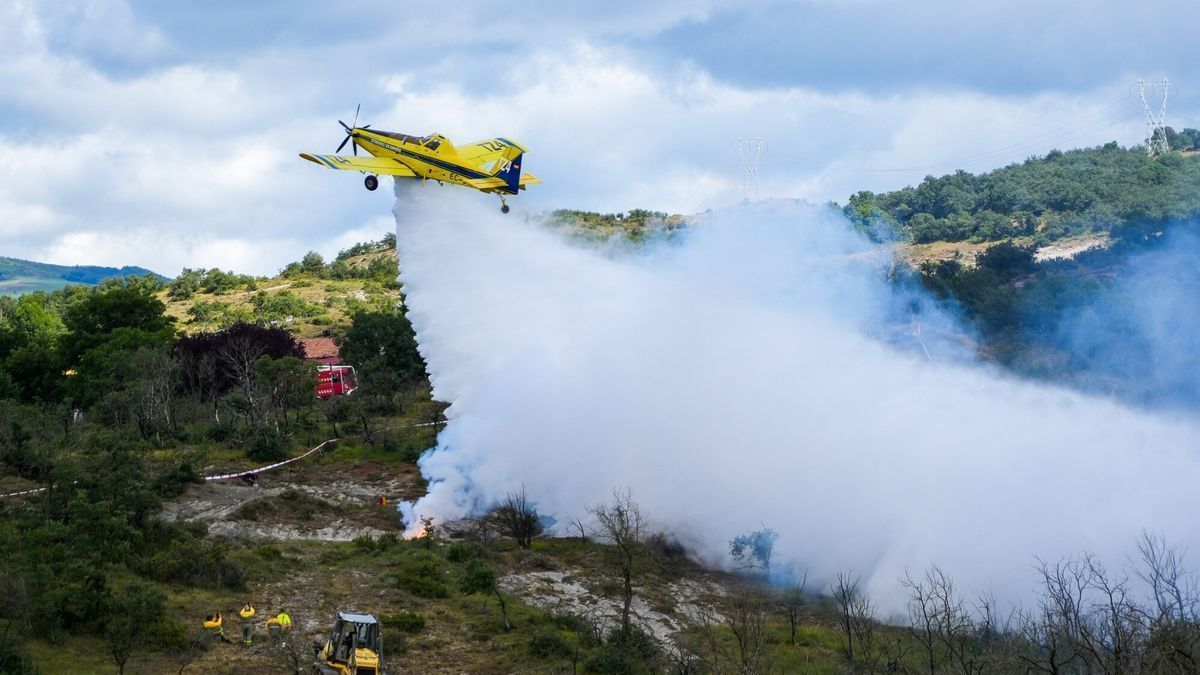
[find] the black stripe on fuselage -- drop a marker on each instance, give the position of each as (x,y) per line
(441,164)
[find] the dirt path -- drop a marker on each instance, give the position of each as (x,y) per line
(322,501)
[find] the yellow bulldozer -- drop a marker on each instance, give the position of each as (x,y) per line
(355,647)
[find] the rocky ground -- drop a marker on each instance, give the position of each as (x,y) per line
(322,501)
(296,522)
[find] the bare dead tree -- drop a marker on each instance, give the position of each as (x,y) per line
(791,602)
(1173,622)
(925,621)
(844,591)
(577,525)
(682,659)
(622,527)
(1086,620)
(1175,591)
(518,518)
(483,532)
(152,393)
(1112,631)
(239,356)
(947,631)
(293,654)
(857,620)
(746,618)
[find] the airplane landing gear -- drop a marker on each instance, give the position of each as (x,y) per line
(371,182)
(503,206)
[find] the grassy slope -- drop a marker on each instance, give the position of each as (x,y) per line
(338,298)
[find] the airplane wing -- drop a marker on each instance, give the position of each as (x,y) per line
(381,165)
(488,184)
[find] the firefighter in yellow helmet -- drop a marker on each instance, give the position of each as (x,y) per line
(285,624)
(247,614)
(278,627)
(213,628)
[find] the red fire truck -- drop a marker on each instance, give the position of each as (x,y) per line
(335,381)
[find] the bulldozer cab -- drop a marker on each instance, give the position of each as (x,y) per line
(354,647)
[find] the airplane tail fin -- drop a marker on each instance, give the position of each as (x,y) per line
(510,172)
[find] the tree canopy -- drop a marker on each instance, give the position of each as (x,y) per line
(1110,189)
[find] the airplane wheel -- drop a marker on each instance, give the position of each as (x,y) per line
(371,182)
(504,208)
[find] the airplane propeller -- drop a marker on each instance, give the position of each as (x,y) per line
(350,131)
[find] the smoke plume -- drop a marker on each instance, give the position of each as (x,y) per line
(1139,336)
(740,377)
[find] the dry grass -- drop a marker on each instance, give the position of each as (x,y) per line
(965,252)
(338,298)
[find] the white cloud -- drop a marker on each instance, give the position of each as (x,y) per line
(211,148)
(106,28)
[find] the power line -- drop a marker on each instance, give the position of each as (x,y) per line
(751,150)
(1103,118)
(1156,125)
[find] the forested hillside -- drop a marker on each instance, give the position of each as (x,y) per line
(105,400)
(1110,189)
(23,276)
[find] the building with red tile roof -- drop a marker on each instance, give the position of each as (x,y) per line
(321,349)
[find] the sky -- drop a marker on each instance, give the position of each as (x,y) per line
(166,135)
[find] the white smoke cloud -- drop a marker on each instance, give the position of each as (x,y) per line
(729,382)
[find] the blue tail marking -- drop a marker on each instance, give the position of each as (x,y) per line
(511,174)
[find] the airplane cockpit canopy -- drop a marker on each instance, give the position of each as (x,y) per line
(431,141)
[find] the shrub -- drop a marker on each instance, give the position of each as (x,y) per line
(423,587)
(196,562)
(170,634)
(462,552)
(634,642)
(549,643)
(220,433)
(625,652)
(268,552)
(394,641)
(13,658)
(268,446)
(670,554)
(609,659)
(173,481)
(421,577)
(407,622)
(292,503)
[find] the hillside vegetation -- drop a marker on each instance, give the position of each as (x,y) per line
(120,398)
(310,297)
(1109,189)
(23,276)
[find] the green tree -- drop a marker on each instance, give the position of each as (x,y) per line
(384,341)
(480,578)
(92,321)
(186,284)
(313,264)
(287,383)
(131,613)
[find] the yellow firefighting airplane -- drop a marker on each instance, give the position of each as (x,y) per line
(492,166)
